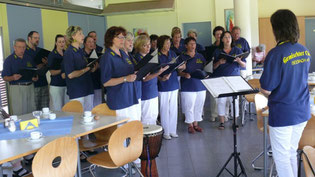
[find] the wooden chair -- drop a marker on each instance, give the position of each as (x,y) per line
(307,139)
(66,148)
(308,156)
(119,153)
(102,136)
(250,98)
(73,106)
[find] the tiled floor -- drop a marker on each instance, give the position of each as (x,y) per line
(203,154)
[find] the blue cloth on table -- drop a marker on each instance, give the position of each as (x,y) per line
(59,126)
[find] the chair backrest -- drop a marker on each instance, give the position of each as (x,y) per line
(254,83)
(103,109)
(308,135)
(309,161)
(119,153)
(73,106)
(261,103)
(66,148)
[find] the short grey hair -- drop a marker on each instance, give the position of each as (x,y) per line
(19,40)
(262,47)
(129,35)
(192,31)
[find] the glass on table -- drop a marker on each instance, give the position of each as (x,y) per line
(37,115)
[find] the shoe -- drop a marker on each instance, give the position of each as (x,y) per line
(174,135)
(191,130)
(269,153)
(226,119)
(197,128)
(21,172)
(167,137)
(221,126)
(212,119)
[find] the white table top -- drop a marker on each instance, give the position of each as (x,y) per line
(17,148)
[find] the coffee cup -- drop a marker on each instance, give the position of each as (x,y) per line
(87,114)
(52,116)
(14,118)
(36,135)
(87,119)
(45,110)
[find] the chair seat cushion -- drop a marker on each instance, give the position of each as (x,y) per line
(86,145)
(102,159)
(250,97)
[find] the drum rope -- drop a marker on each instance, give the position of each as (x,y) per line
(148,162)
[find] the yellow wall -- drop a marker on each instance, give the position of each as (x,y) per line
(220,6)
(54,22)
(299,7)
(5,30)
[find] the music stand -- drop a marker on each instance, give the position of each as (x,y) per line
(226,87)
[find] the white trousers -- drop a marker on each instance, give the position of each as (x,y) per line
(138,109)
(97,99)
(193,103)
(86,101)
(168,111)
(149,111)
(222,106)
(129,112)
(58,97)
(284,143)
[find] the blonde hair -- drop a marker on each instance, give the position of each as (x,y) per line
(191,32)
(140,42)
(175,31)
(71,31)
(129,35)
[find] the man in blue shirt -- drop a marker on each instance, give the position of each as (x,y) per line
(21,90)
(41,86)
(239,41)
(98,48)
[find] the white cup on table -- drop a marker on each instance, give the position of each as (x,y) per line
(14,118)
(87,114)
(36,135)
(52,116)
(45,110)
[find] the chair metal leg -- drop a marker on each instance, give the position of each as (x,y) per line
(300,162)
(91,168)
(257,157)
(272,169)
(137,169)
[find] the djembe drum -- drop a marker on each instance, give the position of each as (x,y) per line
(152,141)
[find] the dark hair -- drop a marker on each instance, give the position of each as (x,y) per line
(221,46)
(19,40)
(30,34)
(85,39)
(91,32)
(285,26)
(56,38)
(111,33)
(153,37)
(236,28)
(161,40)
(218,28)
(187,40)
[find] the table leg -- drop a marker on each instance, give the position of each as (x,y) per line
(78,174)
(1,171)
(265,147)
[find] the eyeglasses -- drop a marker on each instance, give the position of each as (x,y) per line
(121,37)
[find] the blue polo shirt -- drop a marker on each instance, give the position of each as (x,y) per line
(285,75)
(192,64)
(200,48)
(149,88)
(114,66)
(138,83)
(42,80)
(96,75)
(227,69)
(12,64)
(56,80)
(180,49)
(99,49)
(79,86)
(243,45)
(172,83)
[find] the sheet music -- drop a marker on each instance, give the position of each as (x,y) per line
(93,54)
(173,60)
(155,59)
(237,83)
(209,67)
(217,86)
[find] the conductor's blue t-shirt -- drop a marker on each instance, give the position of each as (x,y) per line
(285,75)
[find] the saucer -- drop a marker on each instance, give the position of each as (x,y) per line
(34,140)
(87,123)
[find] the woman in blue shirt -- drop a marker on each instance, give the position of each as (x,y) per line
(193,92)
(168,90)
(284,82)
(78,76)
(89,47)
(149,89)
(223,68)
(117,75)
(57,88)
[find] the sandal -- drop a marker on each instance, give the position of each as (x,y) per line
(197,128)
(191,130)
(221,126)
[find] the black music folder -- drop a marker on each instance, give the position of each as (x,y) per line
(230,58)
(42,53)
(172,68)
(56,64)
(146,59)
(93,58)
(28,73)
(199,74)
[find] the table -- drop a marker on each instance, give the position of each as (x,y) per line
(18,148)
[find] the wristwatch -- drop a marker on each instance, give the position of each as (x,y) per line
(125,79)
